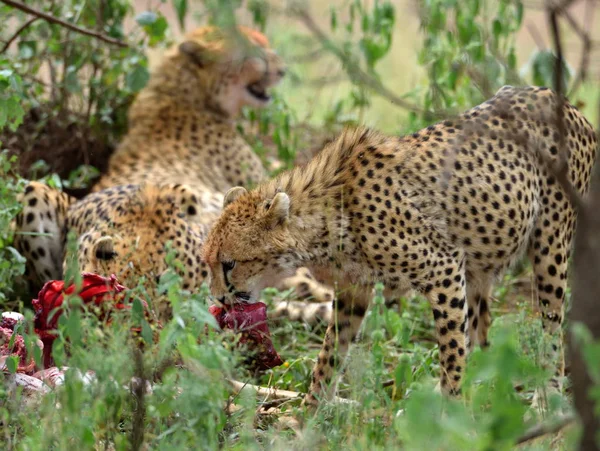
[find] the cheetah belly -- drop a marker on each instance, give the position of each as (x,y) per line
(492,218)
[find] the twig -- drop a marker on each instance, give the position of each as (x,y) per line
(356,73)
(388,383)
(536,36)
(138,390)
(264,391)
(17,33)
(277,402)
(586,45)
(548,428)
(55,20)
(561,168)
(274,393)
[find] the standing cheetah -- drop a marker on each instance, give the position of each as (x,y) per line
(444,211)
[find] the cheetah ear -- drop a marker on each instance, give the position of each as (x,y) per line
(195,52)
(233,194)
(279,210)
(104,248)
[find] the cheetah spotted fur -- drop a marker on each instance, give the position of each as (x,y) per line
(444,211)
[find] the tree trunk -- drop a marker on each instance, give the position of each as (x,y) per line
(585,308)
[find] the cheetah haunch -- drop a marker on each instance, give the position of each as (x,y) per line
(444,211)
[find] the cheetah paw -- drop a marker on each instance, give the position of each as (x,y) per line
(307,288)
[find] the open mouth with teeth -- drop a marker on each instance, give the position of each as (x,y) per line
(259,91)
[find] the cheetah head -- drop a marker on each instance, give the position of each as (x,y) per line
(132,243)
(250,247)
(234,68)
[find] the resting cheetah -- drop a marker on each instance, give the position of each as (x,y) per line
(181,125)
(444,211)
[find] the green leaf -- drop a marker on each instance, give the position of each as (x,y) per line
(137,310)
(3,112)
(12,363)
(27,49)
(146,18)
(497,28)
(73,325)
(260,11)
(542,67)
(181,8)
(512,59)
(15,112)
(88,437)
(137,78)
(157,30)
(520,11)
(146,332)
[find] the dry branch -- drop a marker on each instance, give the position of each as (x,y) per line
(561,168)
(274,393)
(267,392)
(17,33)
(586,284)
(55,20)
(544,429)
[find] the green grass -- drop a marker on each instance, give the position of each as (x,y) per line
(390,376)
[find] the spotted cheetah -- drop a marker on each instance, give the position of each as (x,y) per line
(181,125)
(444,211)
(182,145)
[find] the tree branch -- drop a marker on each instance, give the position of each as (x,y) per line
(17,33)
(543,429)
(49,18)
(561,167)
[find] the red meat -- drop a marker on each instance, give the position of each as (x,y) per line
(95,289)
(251,321)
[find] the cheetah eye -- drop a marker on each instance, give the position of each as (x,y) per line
(228,266)
(102,254)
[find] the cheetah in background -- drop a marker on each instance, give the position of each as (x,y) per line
(444,211)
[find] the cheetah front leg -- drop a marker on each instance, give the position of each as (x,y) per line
(349,310)
(549,255)
(479,315)
(448,298)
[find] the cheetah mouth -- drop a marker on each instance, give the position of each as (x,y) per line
(258,91)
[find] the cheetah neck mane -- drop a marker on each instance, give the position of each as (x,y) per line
(316,191)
